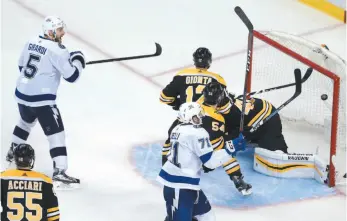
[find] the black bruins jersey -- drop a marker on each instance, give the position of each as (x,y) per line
(256,110)
(188,85)
(214,124)
(27,195)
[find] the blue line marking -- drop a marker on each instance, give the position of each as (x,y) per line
(220,189)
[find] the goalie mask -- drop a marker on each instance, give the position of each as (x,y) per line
(191,112)
(24,156)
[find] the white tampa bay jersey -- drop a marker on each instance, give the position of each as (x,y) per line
(190,148)
(41,65)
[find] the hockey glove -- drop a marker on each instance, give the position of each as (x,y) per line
(176,104)
(235,145)
(78,56)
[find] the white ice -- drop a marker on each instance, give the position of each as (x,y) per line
(115,106)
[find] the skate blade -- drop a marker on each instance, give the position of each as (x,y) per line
(246,192)
(58,185)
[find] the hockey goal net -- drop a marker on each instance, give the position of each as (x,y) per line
(310,124)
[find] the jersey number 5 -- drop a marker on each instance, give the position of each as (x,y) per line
(19,208)
(31,68)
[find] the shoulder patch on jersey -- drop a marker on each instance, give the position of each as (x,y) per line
(61,46)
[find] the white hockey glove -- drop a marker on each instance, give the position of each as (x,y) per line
(77,56)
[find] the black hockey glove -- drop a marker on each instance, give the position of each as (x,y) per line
(176,104)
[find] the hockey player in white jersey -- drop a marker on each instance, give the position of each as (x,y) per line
(180,175)
(42,63)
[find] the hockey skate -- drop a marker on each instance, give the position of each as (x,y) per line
(242,186)
(62,181)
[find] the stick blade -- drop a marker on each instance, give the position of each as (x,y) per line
(158,49)
(242,15)
(307,75)
(297,73)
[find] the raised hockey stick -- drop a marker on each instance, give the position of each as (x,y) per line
(303,79)
(158,51)
(249,26)
(297,92)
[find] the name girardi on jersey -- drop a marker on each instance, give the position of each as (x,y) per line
(301,156)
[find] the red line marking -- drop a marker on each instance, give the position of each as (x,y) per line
(92,46)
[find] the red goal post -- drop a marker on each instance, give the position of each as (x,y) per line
(272,53)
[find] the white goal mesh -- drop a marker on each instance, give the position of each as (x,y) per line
(310,123)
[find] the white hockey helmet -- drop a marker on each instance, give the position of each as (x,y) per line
(52,23)
(191,112)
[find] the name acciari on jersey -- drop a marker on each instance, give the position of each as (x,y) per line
(190,149)
(41,64)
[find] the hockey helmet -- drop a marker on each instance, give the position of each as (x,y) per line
(202,58)
(191,112)
(24,156)
(213,93)
(52,23)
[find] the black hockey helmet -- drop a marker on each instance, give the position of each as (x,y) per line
(202,58)
(213,93)
(24,155)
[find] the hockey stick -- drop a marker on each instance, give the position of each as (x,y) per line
(158,51)
(303,79)
(297,92)
(249,25)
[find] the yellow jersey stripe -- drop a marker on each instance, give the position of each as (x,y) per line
(166,97)
(258,115)
(167,144)
(233,170)
(269,110)
(53,209)
(15,173)
(229,162)
(216,140)
(164,153)
(53,218)
(220,146)
(165,102)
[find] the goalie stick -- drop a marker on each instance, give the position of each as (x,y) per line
(297,92)
(249,26)
(303,79)
(158,51)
